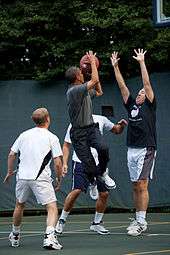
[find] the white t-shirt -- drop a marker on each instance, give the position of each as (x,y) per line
(35,145)
(104,124)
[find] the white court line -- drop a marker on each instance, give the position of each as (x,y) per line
(149,252)
(87,231)
(83,222)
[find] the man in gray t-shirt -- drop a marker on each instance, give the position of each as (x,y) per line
(84,132)
(80,105)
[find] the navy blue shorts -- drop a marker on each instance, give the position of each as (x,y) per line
(80,181)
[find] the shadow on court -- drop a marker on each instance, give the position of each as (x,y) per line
(77,239)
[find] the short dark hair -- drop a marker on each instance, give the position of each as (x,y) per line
(70,74)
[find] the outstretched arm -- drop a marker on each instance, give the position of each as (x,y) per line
(140,57)
(123,88)
(98,88)
(94,83)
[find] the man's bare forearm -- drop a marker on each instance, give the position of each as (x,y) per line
(11,160)
(94,74)
(66,153)
(121,83)
(99,91)
(146,81)
(58,167)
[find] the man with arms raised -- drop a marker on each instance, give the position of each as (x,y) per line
(84,132)
(141,139)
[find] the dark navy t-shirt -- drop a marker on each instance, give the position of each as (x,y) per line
(141,130)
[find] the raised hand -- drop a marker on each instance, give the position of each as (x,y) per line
(114,59)
(91,56)
(140,55)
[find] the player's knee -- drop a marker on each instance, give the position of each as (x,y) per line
(51,206)
(103,195)
(140,186)
(76,192)
(19,205)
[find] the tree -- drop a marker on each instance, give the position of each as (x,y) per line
(40,39)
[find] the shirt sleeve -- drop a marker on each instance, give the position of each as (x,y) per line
(129,102)
(151,104)
(92,93)
(108,125)
(16,146)
(56,148)
(67,138)
(80,89)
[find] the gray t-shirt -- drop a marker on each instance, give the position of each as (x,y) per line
(80,105)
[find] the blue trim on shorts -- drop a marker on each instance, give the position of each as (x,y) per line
(80,181)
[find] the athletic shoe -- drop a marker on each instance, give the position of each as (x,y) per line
(132,224)
(14,239)
(94,194)
(138,229)
(109,182)
(60,226)
(51,242)
(99,228)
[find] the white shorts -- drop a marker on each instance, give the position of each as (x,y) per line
(141,163)
(42,189)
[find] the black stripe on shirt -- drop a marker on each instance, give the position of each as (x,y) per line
(44,163)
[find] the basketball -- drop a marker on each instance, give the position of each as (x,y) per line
(85,66)
(84,62)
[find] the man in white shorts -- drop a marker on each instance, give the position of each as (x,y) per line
(80,182)
(141,139)
(36,148)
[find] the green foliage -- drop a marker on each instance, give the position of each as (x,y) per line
(41,39)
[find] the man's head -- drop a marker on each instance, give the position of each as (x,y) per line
(74,75)
(140,97)
(41,117)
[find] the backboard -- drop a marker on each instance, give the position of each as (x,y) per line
(161,13)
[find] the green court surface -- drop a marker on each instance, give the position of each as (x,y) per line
(77,239)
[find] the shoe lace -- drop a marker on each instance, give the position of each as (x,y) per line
(133,222)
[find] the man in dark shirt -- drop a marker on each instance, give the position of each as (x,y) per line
(141,139)
(84,132)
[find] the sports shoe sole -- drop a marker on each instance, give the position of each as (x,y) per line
(50,247)
(99,232)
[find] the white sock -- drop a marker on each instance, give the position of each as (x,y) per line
(16,229)
(49,230)
(64,215)
(98,217)
(140,216)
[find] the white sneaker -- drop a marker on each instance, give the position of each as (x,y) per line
(109,182)
(60,226)
(94,194)
(51,242)
(14,239)
(138,229)
(99,228)
(132,224)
